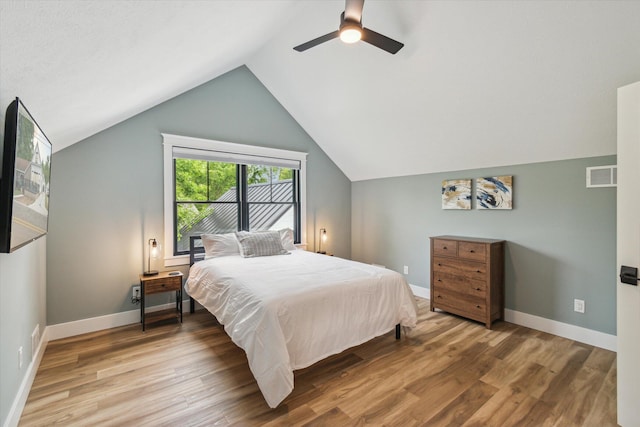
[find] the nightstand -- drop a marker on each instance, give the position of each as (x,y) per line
(324,253)
(165,281)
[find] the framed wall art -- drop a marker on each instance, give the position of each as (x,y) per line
(494,192)
(456,194)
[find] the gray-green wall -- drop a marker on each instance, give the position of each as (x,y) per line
(107,191)
(22,307)
(561,236)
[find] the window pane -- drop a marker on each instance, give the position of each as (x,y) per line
(282,191)
(195,219)
(271,216)
(258,174)
(222,181)
(191,179)
(269,184)
(200,180)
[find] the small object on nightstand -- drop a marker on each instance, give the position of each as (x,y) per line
(162,282)
(322,238)
(153,253)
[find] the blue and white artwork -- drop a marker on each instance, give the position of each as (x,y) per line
(456,194)
(494,192)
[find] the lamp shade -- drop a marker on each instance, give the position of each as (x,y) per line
(153,252)
(322,239)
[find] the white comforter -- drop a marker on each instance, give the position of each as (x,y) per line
(289,311)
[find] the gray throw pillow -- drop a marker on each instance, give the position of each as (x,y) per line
(260,243)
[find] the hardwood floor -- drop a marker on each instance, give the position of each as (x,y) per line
(447,372)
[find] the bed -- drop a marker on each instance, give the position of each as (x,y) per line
(290,310)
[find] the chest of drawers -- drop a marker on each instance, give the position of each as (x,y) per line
(467,277)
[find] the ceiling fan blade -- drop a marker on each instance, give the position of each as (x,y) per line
(383,42)
(315,42)
(353,10)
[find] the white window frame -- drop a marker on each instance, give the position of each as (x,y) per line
(170,141)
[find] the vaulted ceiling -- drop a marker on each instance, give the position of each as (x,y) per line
(478,83)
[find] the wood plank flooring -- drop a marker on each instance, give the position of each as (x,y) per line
(447,372)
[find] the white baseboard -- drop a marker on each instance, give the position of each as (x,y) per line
(421,292)
(93,324)
(565,330)
(25,386)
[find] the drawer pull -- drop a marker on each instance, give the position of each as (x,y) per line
(439,265)
(439,296)
(478,289)
(444,248)
(477,306)
(478,271)
(472,251)
(439,280)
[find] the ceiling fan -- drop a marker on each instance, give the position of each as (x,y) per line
(351,31)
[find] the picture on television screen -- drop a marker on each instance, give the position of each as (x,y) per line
(27,154)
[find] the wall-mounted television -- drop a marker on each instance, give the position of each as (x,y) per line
(24,179)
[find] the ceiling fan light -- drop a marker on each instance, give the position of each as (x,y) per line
(350,34)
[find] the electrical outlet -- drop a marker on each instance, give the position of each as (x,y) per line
(406,269)
(135,292)
(578,305)
(20,358)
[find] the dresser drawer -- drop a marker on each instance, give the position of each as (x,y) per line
(471,250)
(164,285)
(462,284)
(445,247)
(453,266)
(460,304)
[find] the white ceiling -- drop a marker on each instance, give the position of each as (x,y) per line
(478,84)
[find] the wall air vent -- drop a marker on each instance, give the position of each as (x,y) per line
(602,176)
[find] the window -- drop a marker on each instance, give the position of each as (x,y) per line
(220,187)
(205,200)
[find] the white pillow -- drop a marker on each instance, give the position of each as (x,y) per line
(286,235)
(260,243)
(219,245)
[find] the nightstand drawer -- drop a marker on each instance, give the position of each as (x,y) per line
(163,285)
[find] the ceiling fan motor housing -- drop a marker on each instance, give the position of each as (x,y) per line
(350,29)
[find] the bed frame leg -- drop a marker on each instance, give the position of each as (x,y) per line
(192,305)
(398,331)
